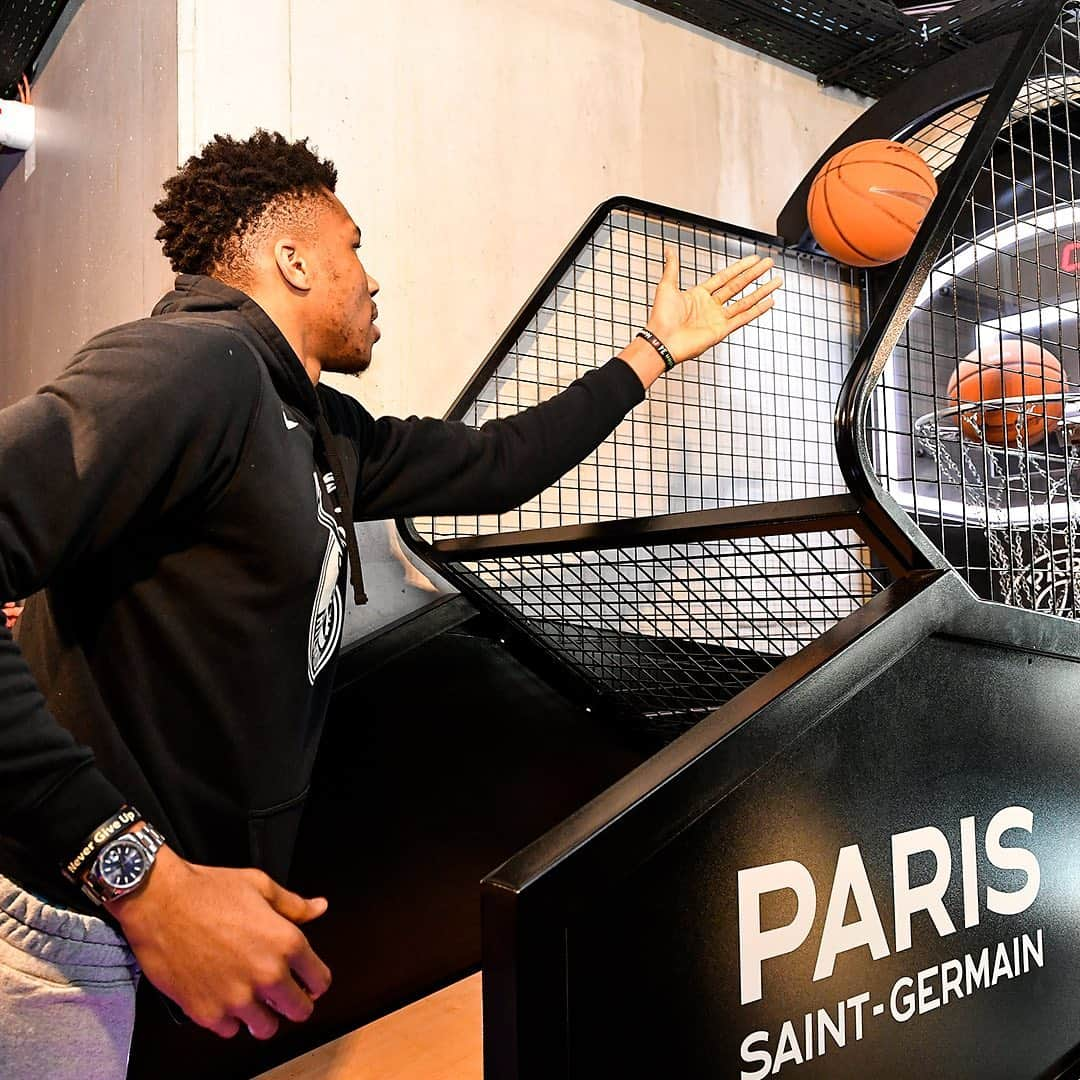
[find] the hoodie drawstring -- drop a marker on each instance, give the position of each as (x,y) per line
(345,499)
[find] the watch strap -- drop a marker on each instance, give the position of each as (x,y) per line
(149,837)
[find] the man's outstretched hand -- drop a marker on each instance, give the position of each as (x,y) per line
(224,944)
(690,321)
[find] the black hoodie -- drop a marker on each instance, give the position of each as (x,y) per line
(177,493)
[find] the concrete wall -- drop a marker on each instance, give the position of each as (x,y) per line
(473,138)
(76,234)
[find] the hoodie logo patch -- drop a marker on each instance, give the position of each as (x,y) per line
(289,424)
(327,614)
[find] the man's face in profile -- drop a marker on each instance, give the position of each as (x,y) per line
(346,312)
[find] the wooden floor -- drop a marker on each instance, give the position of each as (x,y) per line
(436,1038)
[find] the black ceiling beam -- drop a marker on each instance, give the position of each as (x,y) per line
(868,46)
(930,35)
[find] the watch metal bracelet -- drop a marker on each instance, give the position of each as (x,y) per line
(95,883)
(152,840)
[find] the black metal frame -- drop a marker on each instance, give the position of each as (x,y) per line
(25,30)
(530,901)
(829,512)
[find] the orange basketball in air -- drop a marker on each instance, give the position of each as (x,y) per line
(868,201)
(1009,369)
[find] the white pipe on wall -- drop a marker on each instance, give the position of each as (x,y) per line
(16,125)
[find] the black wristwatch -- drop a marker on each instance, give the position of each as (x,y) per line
(122,865)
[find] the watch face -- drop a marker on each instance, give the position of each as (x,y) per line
(123,864)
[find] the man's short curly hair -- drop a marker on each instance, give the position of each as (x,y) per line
(232,190)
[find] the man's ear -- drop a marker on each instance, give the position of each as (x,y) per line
(292,264)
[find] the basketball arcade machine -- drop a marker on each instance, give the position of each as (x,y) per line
(856,852)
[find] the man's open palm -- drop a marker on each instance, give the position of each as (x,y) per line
(692,320)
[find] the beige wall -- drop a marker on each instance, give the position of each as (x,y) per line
(76,236)
(473,138)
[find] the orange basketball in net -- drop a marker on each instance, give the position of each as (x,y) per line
(868,201)
(1009,369)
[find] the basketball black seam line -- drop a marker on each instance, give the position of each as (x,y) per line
(810,202)
(914,172)
(838,159)
(888,213)
(832,167)
(991,369)
(840,232)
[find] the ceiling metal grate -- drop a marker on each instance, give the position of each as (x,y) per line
(25,26)
(868,46)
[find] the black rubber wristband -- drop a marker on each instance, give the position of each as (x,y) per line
(659,346)
(123,819)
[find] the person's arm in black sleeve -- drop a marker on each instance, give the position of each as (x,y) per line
(135,425)
(426,466)
(415,466)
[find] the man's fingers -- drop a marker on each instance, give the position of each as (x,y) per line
(226,1027)
(758,294)
(752,313)
(671,268)
(294,907)
(311,971)
(287,998)
(314,908)
(258,1019)
(740,281)
(723,277)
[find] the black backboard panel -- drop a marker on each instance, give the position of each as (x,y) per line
(658,953)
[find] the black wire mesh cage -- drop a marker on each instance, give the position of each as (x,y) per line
(974,428)
(668,631)
(748,422)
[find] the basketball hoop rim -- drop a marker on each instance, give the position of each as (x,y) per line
(947,420)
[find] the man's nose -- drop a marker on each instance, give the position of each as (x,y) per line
(372,285)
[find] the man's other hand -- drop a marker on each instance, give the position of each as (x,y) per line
(11,610)
(224,944)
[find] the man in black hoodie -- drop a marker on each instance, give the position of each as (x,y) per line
(184,495)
